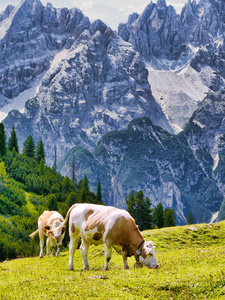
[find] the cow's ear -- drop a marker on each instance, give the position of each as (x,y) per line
(47,227)
(63,229)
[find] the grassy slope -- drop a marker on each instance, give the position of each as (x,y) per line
(192,266)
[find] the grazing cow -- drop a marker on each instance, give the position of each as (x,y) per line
(49,224)
(113,227)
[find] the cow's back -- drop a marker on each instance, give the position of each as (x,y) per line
(97,223)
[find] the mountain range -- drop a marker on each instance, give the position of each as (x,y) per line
(141,108)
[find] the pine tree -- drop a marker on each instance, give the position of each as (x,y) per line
(131,204)
(2,140)
(67,185)
(55,160)
(190,218)
(13,141)
(73,170)
(158,216)
(140,209)
(40,152)
(170,216)
(99,193)
(29,147)
(146,221)
(86,183)
(42,167)
(83,194)
(71,199)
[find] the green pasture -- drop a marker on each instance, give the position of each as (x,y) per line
(191,259)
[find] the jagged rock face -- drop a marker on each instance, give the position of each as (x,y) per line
(168,42)
(97,85)
(146,157)
(203,21)
(206,130)
(206,127)
(156,32)
(160,32)
(30,36)
(6,12)
(205,136)
(212,55)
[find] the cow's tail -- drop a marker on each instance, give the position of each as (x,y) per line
(33,233)
(63,224)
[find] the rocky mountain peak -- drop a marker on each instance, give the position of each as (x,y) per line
(6,12)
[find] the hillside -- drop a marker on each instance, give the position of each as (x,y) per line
(27,188)
(191,262)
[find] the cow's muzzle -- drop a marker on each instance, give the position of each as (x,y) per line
(57,237)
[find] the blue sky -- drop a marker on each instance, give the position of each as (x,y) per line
(110,12)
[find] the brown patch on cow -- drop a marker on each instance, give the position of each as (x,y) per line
(125,233)
(143,254)
(98,219)
(46,222)
(55,219)
(87,215)
(72,228)
(97,236)
(127,251)
(44,218)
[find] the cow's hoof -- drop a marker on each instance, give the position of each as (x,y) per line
(71,268)
(138,265)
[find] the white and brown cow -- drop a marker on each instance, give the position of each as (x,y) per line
(115,228)
(49,224)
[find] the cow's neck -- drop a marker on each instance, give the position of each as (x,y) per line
(135,241)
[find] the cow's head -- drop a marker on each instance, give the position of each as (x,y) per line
(147,256)
(56,230)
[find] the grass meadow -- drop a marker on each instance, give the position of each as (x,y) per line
(191,259)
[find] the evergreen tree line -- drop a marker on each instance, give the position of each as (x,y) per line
(145,217)
(27,188)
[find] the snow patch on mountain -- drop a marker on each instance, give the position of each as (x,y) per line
(18,102)
(179,93)
(6,23)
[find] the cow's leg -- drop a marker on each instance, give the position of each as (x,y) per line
(108,253)
(84,252)
(59,244)
(72,247)
(52,243)
(48,246)
(41,242)
(58,248)
(119,251)
(125,263)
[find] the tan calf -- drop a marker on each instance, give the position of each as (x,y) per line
(49,224)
